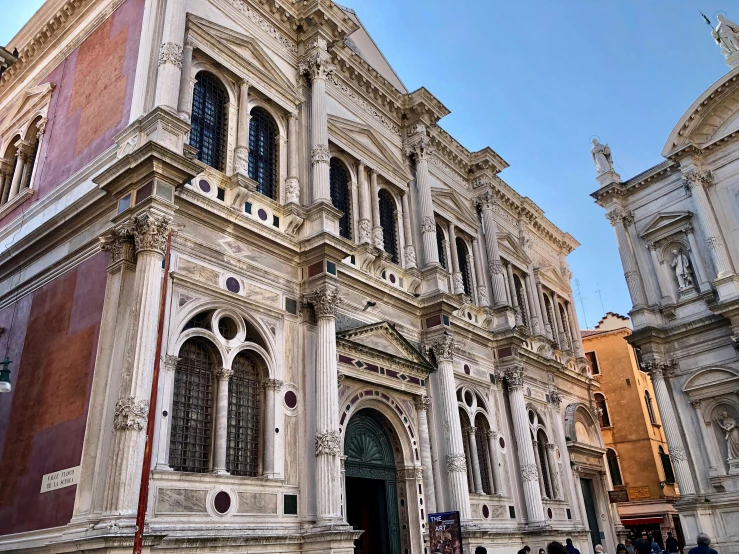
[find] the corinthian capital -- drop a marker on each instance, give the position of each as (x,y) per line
(119,242)
(615,216)
(325,300)
(318,61)
(486,200)
(443,348)
(421,149)
(130,414)
(693,177)
(514,376)
(422,402)
(150,232)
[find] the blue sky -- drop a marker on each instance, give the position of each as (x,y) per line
(534,80)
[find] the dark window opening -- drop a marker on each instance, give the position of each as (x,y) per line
(614,468)
(340,197)
(242,452)
(600,402)
(389,224)
(209,120)
(593,362)
(440,247)
(263,152)
(464,266)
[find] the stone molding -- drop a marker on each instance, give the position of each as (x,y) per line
(443,348)
(150,232)
(170,53)
(529,472)
(325,300)
(328,443)
(130,414)
(514,376)
(272,384)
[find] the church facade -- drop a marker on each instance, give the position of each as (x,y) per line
(254,296)
(676,229)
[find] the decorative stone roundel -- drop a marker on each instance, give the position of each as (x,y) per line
(262,213)
(485,511)
(501,441)
(222,502)
(549,513)
(466,369)
(291,399)
(233,285)
(204,186)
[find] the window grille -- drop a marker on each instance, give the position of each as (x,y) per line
(242,454)
(389,224)
(521,299)
(263,152)
(440,247)
(543,461)
(565,329)
(464,266)
(613,468)
(340,198)
(192,409)
(483,452)
(31,164)
(209,120)
(465,424)
(600,401)
(650,407)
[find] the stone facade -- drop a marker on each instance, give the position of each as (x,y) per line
(637,452)
(675,226)
(273,242)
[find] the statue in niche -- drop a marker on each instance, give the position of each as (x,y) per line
(728,424)
(601,156)
(726,35)
(681,264)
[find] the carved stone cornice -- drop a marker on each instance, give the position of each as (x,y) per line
(130,414)
(150,232)
(443,348)
(325,300)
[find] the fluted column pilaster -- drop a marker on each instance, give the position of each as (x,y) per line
(495,468)
(459,497)
(628,259)
(514,297)
(271,389)
(672,432)
(169,71)
(422,404)
(526,457)
(487,201)
(184,101)
(410,250)
(482,288)
(474,459)
(325,301)
(534,312)
(543,307)
(421,150)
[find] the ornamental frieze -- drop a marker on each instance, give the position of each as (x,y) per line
(130,414)
(328,443)
(456,463)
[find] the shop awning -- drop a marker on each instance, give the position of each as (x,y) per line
(643,521)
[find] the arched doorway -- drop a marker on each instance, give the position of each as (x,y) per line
(371,493)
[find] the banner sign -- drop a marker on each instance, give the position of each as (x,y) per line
(445,533)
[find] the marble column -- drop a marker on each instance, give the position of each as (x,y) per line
(421,150)
(696,181)
(325,301)
(18,171)
(456,272)
(665,290)
(241,152)
(574,329)
(672,432)
(170,56)
(272,388)
(6,174)
(543,307)
(378,238)
(149,230)
(292,183)
(459,497)
(514,297)
(220,442)
(526,456)
(365,211)
(540,470)
(486,201)
(716,465)
(563,342)
(410,250)
(628,259)
(495,467)
(482,287)
(184,102)
(474,460)
(534,310)
(318,65)
(422,405)
(702,274)
(553,472)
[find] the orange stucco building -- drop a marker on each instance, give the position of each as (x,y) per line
(638,459)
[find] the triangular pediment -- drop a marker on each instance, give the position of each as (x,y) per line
(243,56)
(664,223)
(361,142)
(382,338)
(511,244)
(32,102)
(449,200)
(551,276)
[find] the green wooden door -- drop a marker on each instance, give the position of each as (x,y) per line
(369,455)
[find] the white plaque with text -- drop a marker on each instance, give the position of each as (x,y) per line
(60,479)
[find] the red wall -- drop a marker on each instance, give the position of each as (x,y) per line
(53,341)
(91,102)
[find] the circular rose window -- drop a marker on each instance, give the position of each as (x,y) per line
(291,399)
(204,185)
(222,502)
(227,328)
(232,284)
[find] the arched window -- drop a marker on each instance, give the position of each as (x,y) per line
(340,198)
(483,452)
(440,247)
(192,408)
(550,315)
(464,267)
(263,152)
(666,466)
(566,330)
(209,120)
(614,468)
(650,407)
(389,224)
(600,402)
(520,296)
(465,424)
(542,441)
(242,453)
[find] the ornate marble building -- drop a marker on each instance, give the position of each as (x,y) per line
(676,229)
(349,319)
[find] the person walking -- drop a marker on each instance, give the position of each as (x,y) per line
(542,551)
(556,547)
(671,544)
(642,546)
(599,549)
(629,546)
(525,550)
(621,549)
(656,548)
(571,547)
(704,542)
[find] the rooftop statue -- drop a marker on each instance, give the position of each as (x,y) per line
(602,157)
(726,35)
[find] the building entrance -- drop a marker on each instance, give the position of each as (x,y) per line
(371,493)
(588,496)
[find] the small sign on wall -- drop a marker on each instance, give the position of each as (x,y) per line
(60,479)
(639,493)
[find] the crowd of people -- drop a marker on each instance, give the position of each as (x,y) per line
(644,545)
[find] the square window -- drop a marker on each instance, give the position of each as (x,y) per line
(331,268)
(291,306)
(290,504)
(512,512)
(221,194)
(275,221)
(247,207)
(124,203)
(445,319)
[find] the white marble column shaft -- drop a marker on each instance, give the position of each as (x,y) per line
(421,150)
(543,307)
(220,442)
(377,230)
(474,460)
(495,467)
(170,56)
(422,404)
(20,165)
(184,101)
(410,249)
(482,288)
(271,390)
(486,201)
(456,271)
(553,471)
(534,310)
(241,151)
(628,259)
(540,469)
(292,183)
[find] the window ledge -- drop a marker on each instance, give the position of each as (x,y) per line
(657,425)
(15,202)
(210,478)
